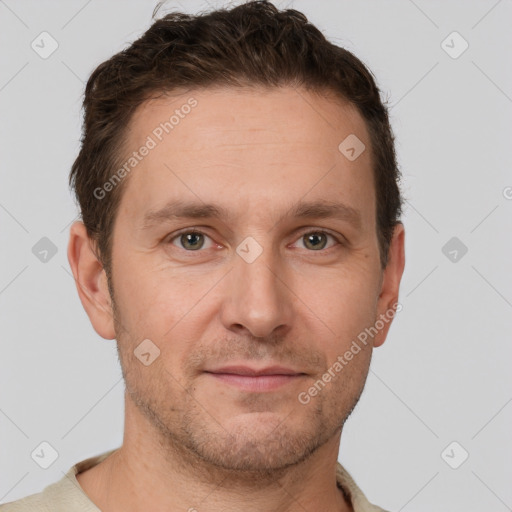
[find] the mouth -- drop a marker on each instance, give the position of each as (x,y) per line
(255,380)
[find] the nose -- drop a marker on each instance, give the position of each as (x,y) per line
(257,297)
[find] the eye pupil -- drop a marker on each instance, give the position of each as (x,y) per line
(193,241)
(313,237)
(191,237)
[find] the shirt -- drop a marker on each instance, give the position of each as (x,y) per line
(66,495)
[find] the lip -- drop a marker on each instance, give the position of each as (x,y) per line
(247,370)
(255,380)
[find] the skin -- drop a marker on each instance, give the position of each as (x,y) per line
(192,441)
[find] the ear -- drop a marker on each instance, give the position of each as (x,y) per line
(387,304)
(91,281)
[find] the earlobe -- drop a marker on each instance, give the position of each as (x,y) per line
(388,304)
(90,280)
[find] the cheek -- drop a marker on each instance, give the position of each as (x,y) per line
(344,302)
(150,299)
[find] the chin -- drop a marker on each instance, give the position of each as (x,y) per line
(258,442)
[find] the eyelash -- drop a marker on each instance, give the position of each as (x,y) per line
(302,234)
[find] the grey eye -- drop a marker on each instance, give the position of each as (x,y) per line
(190,240)
(315,240)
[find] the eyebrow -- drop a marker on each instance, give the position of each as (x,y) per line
(319,209)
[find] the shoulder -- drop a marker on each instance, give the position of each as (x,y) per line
(65,495)
(61,496)
(355,495)
(34,502)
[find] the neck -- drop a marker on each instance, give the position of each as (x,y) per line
(152,473)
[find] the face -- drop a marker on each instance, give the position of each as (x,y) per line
(246,240)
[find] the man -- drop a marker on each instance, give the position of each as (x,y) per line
(241,241)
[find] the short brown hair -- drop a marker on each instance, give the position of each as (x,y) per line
(252,44)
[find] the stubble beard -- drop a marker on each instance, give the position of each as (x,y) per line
(192,438)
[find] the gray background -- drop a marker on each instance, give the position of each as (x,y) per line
(443,375)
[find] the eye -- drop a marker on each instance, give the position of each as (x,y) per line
(191,240)
(317,240)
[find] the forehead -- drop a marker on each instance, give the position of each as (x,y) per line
(246,146)
(280,115)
